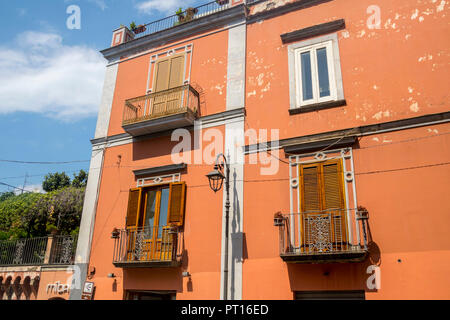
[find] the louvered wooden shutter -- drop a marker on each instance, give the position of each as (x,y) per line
(311,189)
(134,197)
(333,203)
(176,71)
(177,196)
(333,197)
(162,75)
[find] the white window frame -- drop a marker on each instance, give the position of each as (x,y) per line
(330,42)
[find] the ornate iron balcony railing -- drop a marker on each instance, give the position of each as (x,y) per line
(37,251)
(161,104)
(156,246)
(323,233)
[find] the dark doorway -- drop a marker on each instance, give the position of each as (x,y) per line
(150,295)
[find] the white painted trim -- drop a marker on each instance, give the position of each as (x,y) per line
(334,70)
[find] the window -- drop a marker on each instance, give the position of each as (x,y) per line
(323,206)
(314,70)
(152,212)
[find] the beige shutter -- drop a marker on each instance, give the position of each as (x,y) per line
(169,75)
(177,195)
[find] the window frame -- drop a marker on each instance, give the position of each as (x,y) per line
(295,50)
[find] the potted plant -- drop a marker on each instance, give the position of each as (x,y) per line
(180,14)
(190,12)
(278,219)
(115,233)
(132,26)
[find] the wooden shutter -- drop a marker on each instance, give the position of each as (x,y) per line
(310,188)
(333,197)
(162,75)
(134,199)
(176,71)
(169,75)
(177,195)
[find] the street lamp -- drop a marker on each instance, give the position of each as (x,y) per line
(216,178)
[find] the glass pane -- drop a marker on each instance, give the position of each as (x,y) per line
(322,65)
(163,210)
(150,212)
(307,90)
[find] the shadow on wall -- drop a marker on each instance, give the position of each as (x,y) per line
(336,276)
(158,279)
(144,148)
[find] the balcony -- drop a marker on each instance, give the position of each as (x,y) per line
(148,247)
(323,237)
(52,250)
(161,111)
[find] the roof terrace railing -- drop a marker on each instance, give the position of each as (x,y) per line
(181,18)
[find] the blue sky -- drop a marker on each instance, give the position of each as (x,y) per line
(51,80)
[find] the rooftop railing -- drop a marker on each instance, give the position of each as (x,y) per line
(52,250)
(181,18)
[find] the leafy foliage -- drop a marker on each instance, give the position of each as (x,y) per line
(55,181)
(6,195)
(37,215)
(80,179)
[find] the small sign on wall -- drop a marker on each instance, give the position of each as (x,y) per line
(88,291)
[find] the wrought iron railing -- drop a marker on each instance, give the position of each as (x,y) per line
(182,18)
(63,250)
(23,251)
(161,104)
(324,232)
(156,244)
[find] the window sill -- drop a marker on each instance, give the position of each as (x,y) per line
(318,106)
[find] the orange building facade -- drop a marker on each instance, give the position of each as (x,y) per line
(333,118)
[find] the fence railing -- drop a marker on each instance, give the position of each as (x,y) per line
(37,251)
(183,17)
(63,250)
(156,244)
(161,104)
(323,232)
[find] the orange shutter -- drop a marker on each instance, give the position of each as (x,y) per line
(134,199)
(177,196)
(333,195)
(310,188)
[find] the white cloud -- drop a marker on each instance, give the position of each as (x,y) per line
(100,3)
(43,75)
(167,6)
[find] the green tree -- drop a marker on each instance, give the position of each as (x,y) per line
(12,211)
(55,181)
(80,179)
(6,195)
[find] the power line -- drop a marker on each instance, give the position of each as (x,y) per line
(43,162)
(17,188)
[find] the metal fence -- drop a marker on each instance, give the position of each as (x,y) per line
(181,18)
(23,251)
(160,104)
(63,250)
(37,251)
(315,233)
(156,244)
